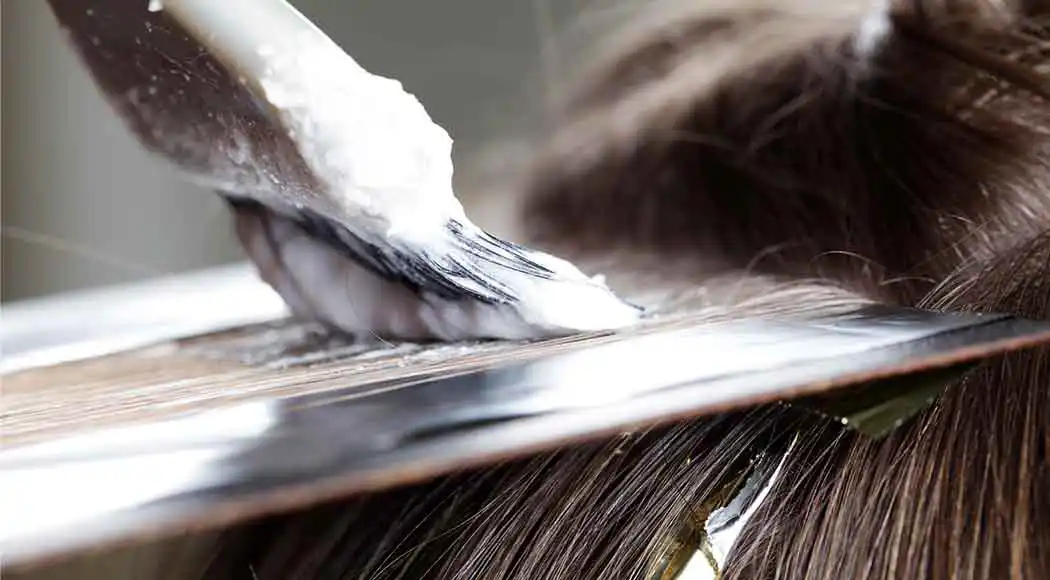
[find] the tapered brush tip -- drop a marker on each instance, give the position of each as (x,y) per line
(486,287)
(568,301)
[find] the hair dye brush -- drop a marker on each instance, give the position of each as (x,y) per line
(340,182)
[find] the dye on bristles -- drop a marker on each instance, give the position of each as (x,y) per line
(387,248)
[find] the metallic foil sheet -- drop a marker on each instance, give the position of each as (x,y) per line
(214,467)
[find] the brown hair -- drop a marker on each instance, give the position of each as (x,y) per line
(880,148)
(898,153)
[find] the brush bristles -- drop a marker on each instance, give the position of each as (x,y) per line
(462,284)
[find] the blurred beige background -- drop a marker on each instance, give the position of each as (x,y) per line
(83,205)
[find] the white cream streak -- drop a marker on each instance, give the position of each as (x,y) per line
(369,142)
